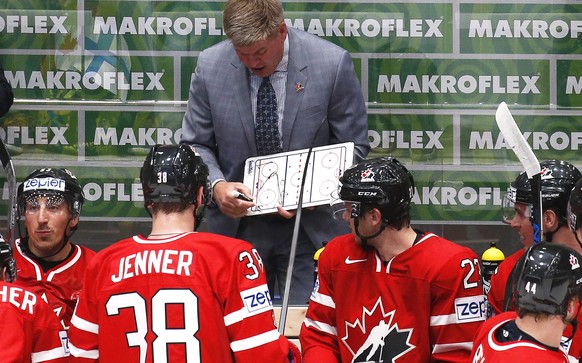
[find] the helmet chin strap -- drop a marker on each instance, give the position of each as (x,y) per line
(366,238)
(198,214)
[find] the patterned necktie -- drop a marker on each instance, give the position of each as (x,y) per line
(267,123)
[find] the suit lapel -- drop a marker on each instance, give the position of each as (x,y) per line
(296,80)
(242,94)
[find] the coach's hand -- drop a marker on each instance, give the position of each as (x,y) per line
(224,194)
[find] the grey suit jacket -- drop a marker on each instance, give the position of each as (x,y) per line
(219,121)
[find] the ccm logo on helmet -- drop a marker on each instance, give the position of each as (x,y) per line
(470,309)
(44,183)
(368,194)
(257,299)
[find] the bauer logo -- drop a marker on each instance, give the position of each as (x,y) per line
(470,309)
(257,299)
(45,184)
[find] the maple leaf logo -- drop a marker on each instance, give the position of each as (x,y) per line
(546,173)
(376,338)
(367,175)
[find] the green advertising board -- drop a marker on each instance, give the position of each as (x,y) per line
(98,82)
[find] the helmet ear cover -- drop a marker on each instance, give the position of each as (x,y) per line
(575,208)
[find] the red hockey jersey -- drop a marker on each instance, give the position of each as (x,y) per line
(496,295)
(487,349)
(424,305)
(59,286)
(195,297)
(29,329)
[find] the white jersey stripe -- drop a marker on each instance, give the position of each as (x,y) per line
(320,326)
(32,262)
(84,325)
(439,320)
(240,315)
(67,265)
(255,341)
(322,299)
(235,316)
(48,355)
(80,353)
(441,348)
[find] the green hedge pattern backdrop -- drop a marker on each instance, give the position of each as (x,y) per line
(99,82)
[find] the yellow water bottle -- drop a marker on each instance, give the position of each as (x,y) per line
(490,259)
(316,259)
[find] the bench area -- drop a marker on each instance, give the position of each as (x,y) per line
(293,321)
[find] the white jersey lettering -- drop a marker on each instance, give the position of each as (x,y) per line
(150,262)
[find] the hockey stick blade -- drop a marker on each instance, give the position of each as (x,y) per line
(516,141)
(528,160)
(11,182)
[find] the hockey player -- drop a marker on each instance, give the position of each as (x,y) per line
(50,201)
(558,178)
(176,295)
(575,211)
(29,329)
(388,292)
(548,298)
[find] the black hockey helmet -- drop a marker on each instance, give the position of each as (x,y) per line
(550,275)
(383,182)
(7,263)
(51,182)
(557,180)
(174,174)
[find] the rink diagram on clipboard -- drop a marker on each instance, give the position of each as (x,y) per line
(276,179)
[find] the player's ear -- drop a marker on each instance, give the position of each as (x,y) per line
(74,221)
(375,215)
(200,196)
(550,219)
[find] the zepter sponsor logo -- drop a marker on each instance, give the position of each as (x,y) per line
(470,309)
(44,184)
(257,299)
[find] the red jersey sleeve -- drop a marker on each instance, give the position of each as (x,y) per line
(496,294)
(318,336)
(30,330)
(458,307)
(83,326)
(249,311)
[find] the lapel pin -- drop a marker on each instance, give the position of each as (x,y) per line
(299,87)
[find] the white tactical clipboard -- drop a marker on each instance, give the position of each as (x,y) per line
(276,179)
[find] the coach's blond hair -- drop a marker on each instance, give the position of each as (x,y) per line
(249,21)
